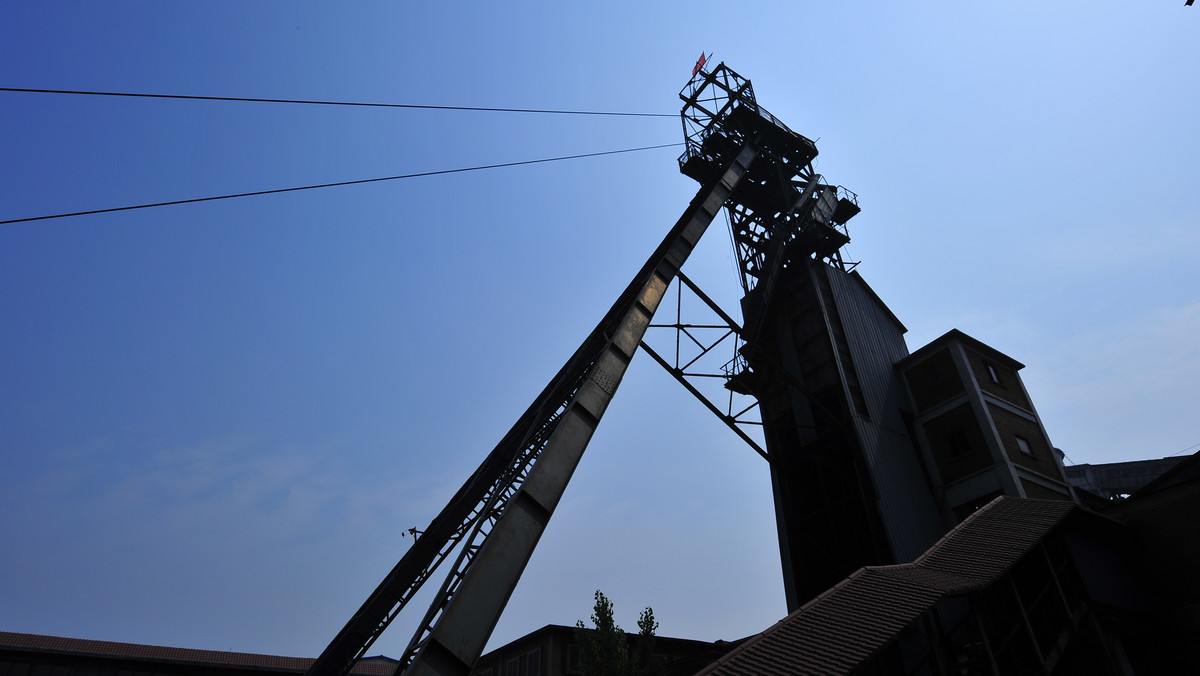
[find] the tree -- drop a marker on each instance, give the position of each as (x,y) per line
(643,662)
(604,650)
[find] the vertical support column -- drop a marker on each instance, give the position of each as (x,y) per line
(983,635)
(1003,468)
(1037,649)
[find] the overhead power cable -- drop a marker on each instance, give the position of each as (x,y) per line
(339,183)
(1189,448)
(337,103)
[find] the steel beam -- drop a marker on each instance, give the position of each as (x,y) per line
(456,641)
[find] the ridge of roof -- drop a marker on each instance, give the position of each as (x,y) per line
(156,653)
(1187,469)
(956,335)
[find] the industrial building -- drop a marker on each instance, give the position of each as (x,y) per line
(926,523)
(1022,586)
(1118,479)
(549,651)
(37,655)
(553,651)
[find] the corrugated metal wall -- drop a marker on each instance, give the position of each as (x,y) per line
(876,342)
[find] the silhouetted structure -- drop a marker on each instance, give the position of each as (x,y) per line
(1022,586)
(874,453)
(1117,479)
(552,651)
(38,655)
(976,425)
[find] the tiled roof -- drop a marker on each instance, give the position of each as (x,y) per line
(840,629)
(111,649)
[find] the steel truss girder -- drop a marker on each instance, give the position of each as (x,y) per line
(709,97)
(680,371)
(503,507)
(782,211)
(747,351)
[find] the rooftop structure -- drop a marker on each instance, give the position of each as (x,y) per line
(1118,479)
(22,654)
(1021,586)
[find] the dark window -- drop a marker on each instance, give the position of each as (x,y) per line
(513,668)
(932,373)
(956,441)
(1023,444)
(535,663)
(993,374)
(573,659)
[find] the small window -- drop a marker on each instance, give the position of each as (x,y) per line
(956,441)
(1023,444)
(535,663)
(573,659)
(513,668)
(932,373)
(993,374)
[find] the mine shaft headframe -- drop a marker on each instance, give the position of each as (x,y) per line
(782,210)
(719,110)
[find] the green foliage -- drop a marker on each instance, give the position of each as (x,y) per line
(605,649)
(643,662)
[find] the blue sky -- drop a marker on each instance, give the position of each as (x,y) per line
(217,419)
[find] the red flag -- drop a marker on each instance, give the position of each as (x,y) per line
(699,65)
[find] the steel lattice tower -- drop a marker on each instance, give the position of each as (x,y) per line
(818,353)
(799,358)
